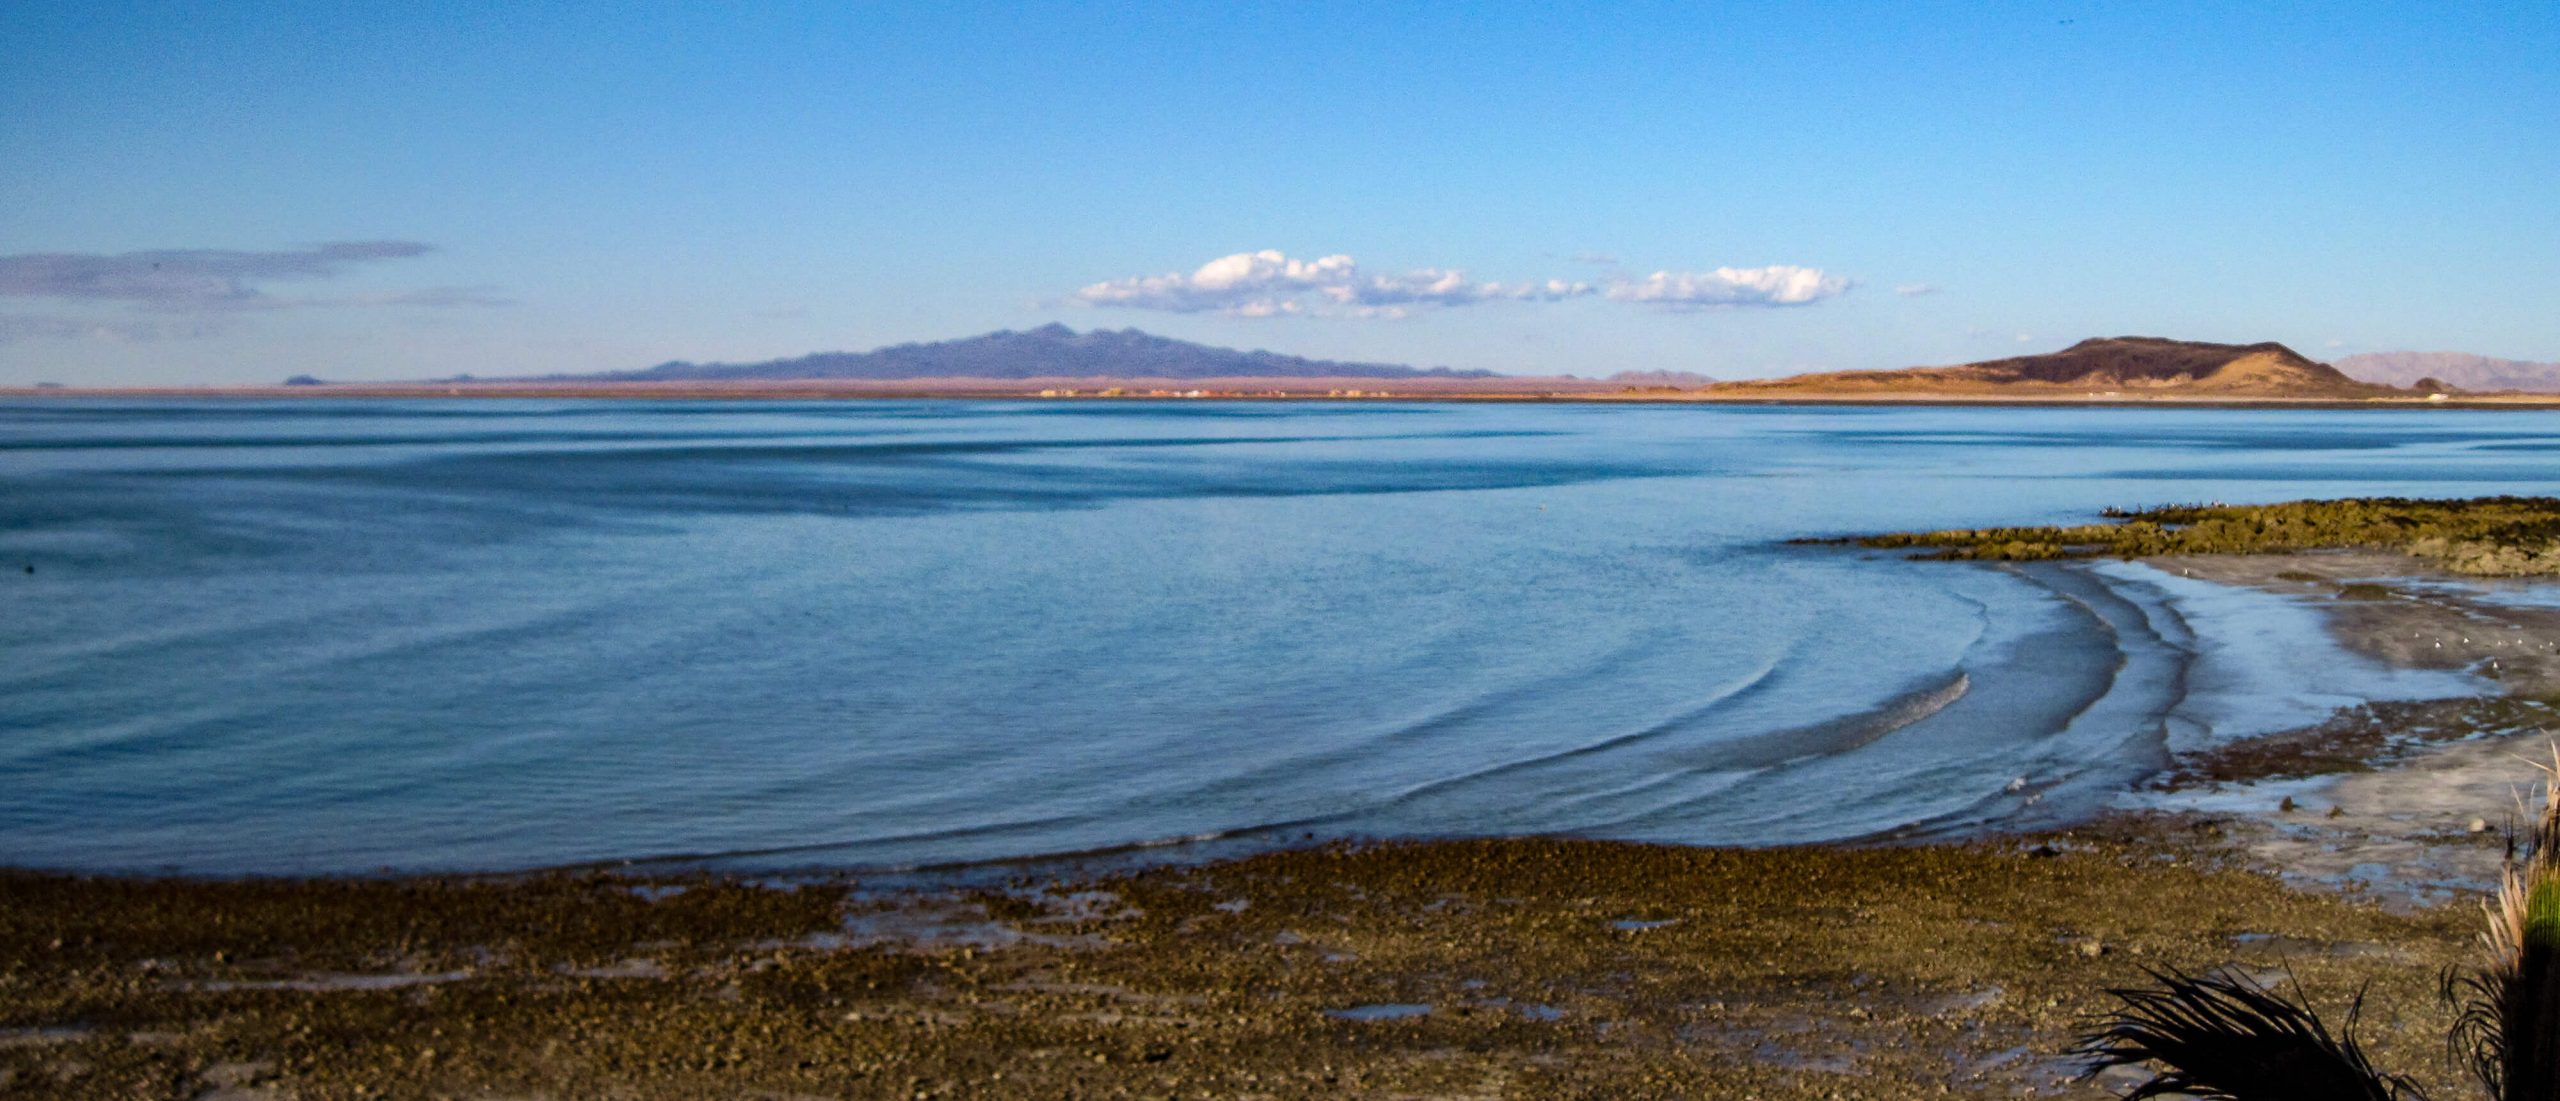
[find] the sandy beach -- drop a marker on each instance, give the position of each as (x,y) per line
(2345,856)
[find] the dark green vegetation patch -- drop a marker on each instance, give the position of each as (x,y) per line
(2482,536)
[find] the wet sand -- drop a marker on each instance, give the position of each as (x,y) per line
(1526,967)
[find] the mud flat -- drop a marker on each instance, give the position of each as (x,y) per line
(2389,798)
(1449,969)
(2408,612)
(1525,967)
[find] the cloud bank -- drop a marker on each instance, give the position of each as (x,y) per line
(1270,283)
(187,279)
(205,283)
(16,327)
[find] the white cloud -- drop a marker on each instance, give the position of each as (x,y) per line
(1248,284)
(1439,287)
(1915,290)
(1725,288)
(1271,283)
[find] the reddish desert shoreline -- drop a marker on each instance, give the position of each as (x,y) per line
(1526,389)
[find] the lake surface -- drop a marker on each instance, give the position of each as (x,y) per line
(342,636)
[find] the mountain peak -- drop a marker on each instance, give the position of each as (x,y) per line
(1050,351)
(2457,370)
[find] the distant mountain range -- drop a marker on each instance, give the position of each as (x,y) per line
(1050,351)
(2130,365)
(2461,370)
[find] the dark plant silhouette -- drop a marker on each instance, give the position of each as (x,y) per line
(2224,1036)
(2509,1029)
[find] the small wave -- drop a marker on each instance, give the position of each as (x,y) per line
(708,856)
(1836,736)
(811,851)
(1441,720)
(1683,770)
(1758,680)
(2057,710)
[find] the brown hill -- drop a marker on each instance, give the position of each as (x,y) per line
(2125,365)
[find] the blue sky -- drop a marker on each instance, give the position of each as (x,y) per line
(387,191)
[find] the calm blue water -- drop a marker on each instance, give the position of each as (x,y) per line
(338,636)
